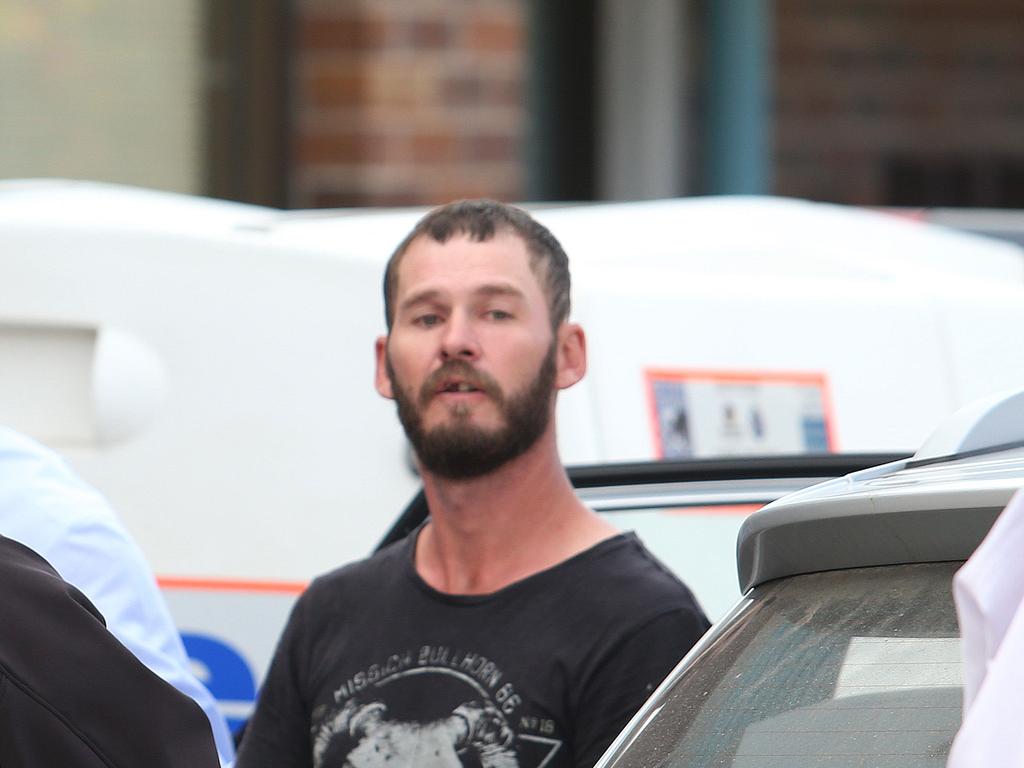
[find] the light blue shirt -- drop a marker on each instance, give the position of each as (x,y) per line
(46,507)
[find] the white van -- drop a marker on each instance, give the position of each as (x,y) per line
(208,365)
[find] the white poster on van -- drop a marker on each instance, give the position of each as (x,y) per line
(702,414)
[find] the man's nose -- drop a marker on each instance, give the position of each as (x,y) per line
(459,340)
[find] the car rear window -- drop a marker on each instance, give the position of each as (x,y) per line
(850,668)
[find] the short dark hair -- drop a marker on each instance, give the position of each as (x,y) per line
(480,220)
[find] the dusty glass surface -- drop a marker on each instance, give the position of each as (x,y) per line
(847,669)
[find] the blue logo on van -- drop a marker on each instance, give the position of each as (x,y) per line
(225,672)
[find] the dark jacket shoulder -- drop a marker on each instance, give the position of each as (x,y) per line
(72,693)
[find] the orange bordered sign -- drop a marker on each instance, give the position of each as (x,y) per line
(702,413)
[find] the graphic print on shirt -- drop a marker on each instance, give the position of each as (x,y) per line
(433,707)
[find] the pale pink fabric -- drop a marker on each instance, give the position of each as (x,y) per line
(989,594)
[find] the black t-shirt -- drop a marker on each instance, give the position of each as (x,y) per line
(377,668)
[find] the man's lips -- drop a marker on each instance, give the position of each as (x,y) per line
(457,387)
(458,380)
(459,392)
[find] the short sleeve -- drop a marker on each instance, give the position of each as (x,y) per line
(277,736)
(631,672)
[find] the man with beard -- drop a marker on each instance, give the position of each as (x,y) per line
(515,627)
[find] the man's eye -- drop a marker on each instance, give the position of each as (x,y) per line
(499,314)
(427,321)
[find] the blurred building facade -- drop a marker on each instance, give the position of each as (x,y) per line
(900,102)
(397,102)
(324,103)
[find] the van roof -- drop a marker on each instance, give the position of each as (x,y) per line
(740,234)
(718,235)
(89,205)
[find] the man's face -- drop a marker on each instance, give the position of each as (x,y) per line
(471,359)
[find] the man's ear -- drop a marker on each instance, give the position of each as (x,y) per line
(381,380)
(571,355)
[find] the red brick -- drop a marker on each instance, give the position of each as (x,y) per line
(507,91)
(392,84)
(461,90)
(430,34)
(407,87)
(327,89)
(857,80)
(478,90)
(325,149)
(433,147)
(339,148)
(489,147)
(344,33)
(496,35)
(482,183)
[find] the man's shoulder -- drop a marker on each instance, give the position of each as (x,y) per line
(372,572)
(624,561)
(622,574)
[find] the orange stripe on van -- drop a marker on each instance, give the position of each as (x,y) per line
(231,585)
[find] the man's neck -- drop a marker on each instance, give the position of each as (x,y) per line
(489,532)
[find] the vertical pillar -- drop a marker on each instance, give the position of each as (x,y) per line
(737,133)
(642,130)
(561,95)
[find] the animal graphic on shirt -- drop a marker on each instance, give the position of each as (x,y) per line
(473,734)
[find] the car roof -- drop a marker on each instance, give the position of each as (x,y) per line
(617,486)
(936,506)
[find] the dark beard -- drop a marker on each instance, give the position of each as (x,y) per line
(460,450)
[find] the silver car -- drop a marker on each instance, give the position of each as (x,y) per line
(844,650)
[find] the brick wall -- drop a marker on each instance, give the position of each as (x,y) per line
(860,82)
(398,102)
